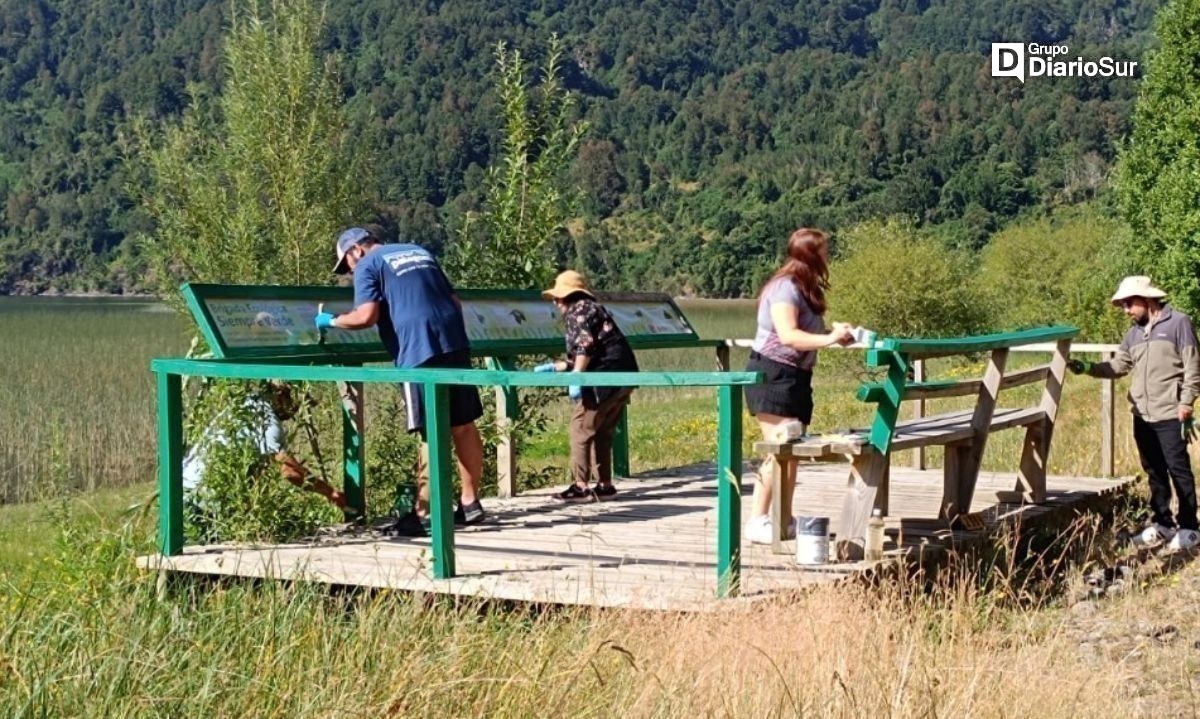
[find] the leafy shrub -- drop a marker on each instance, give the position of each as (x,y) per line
(897,280)
(1058,269)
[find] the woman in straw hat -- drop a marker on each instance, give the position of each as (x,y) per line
(594,344)
(791,328)
(1159,352)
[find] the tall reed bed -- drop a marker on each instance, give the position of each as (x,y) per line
(76,393)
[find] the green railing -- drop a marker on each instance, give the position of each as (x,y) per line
(436,382)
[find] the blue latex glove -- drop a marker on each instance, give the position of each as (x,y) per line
(575,392)
(546,367)
(324,321)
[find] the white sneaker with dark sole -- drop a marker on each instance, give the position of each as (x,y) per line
(1153,536)
(1184,539)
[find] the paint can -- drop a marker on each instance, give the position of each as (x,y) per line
(812,540)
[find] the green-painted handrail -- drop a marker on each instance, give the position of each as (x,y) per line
(478,377)
(918,347)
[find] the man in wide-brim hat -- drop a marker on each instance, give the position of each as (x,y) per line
(1160,353)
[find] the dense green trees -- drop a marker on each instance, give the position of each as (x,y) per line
(705,117)
(1159,180)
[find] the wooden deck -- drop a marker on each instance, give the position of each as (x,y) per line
(654,547)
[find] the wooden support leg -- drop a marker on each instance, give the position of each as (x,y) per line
(1031,478)
(957,456)
(508,409)
(970,454)
(866,477)
(771,475)
(1035,456)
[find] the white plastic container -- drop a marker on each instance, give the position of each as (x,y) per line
(812,540)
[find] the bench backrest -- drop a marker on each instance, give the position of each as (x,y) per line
(898,356)
(269,322)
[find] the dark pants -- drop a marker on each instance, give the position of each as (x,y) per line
(592,429)
(1166,462)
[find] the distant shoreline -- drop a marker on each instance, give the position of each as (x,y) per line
(84,295)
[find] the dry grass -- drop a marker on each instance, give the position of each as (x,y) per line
(96,642)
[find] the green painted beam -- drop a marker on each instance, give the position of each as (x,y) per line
(441,484)
(481,378)
(729,490)
(917,348)
(170,464)
(876,391)
(620,446)
(354,453)
(888,410)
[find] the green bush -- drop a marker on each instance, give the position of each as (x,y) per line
(899,281)
(1058,269)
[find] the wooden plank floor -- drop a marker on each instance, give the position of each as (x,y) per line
(653,547)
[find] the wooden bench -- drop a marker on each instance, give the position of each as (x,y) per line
(963,433)
(262,332)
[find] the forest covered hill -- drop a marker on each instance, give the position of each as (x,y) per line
(716,127)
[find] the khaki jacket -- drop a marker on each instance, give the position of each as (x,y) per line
(1163,363)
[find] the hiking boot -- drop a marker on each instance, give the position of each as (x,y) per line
(469,514)
(577,495)
(1184,539)
(1153,536)
(604,492)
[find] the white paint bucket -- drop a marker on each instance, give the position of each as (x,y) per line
(812,540)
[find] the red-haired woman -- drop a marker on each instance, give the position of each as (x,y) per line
(791,328)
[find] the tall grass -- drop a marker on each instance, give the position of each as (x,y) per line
(91,637)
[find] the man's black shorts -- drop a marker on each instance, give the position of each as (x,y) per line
(465,406)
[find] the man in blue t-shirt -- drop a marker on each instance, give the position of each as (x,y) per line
(401,289)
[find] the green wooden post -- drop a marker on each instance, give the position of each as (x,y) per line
(620,446)
(354,466)
(170,464)
(888,411)
(729,490)
(441,487)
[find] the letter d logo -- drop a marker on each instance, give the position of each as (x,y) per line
(1008,60)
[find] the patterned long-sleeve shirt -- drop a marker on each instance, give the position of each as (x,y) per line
(592,332)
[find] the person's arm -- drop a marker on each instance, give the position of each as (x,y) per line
(1190,389)
(368,295)
(784,316)
(1118,366)
(359,318)
(295,472)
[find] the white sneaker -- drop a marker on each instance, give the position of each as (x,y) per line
(1154,535)
(759,530)
(1184,539)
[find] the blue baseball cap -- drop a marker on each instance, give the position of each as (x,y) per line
(345,241)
